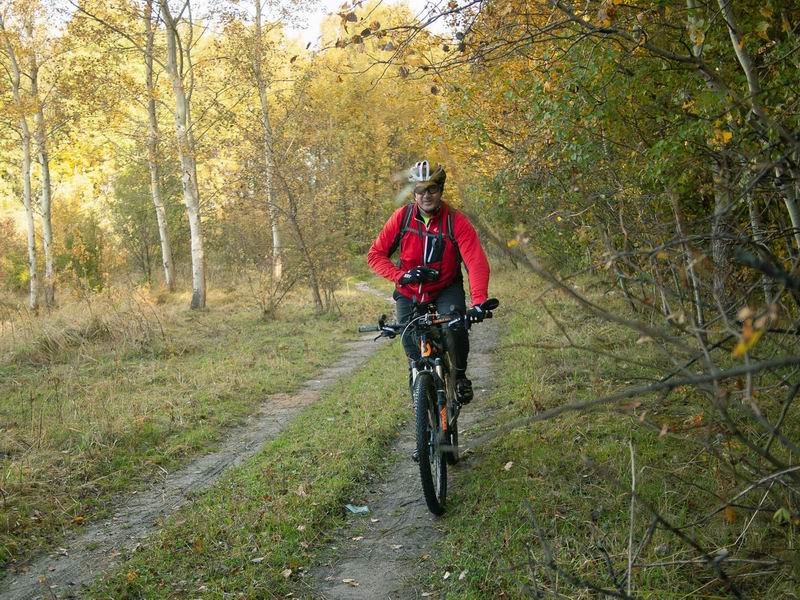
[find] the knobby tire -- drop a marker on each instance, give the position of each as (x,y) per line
(432,462)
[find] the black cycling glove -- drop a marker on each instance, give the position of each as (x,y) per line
(419,275)
(476,314)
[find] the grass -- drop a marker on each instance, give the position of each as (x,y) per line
(253,534)
(101,397)
(561,486)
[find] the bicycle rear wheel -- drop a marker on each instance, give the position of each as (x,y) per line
(430,438)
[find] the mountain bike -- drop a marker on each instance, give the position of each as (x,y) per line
(433,392)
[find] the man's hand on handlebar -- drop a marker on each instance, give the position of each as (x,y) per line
(419,275)
(476,314)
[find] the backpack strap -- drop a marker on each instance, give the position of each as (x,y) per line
(408,211)
(451,236)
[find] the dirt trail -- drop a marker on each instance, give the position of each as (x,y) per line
(373,557)
(88,554)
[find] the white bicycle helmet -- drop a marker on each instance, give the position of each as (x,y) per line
(421,173)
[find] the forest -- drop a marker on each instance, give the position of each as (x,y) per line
(188,192)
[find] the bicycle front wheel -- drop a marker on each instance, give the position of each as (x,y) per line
(430,439)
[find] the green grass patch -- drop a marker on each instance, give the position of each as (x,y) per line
(254,532)
(572,475)
(97,401)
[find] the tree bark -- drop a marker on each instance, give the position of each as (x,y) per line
(25,168)
(277,251)
(186,151)
(754,96)
(694,281)
(44,164)
(723,202)
(312,270)
(152,153)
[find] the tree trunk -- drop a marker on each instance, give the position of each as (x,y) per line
(25,169)
(191,192)
(723,202)
(697,299)
(790,200)
(277,252)
(152,153)
(44,164)
(758,237)
(312,270)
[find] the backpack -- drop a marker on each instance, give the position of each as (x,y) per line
(406,228)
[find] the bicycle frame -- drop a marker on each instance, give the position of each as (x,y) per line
(435,359)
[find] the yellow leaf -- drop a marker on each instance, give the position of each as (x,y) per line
(662,255)
(547,87)
(730,515)
(745,345)
(131,576)
(766,12)
(512,243)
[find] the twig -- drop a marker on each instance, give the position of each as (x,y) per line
(633,506)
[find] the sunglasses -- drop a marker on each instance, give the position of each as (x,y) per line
(432,190)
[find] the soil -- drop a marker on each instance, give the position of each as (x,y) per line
(376,555)
(87,554)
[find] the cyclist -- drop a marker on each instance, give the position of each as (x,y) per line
(433,239)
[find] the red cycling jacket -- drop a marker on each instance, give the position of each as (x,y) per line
(431,246)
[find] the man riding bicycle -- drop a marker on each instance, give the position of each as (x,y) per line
(433,239)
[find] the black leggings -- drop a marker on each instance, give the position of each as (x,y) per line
(450,299)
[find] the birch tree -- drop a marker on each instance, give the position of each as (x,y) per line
(266,126)
(40,135)
(152,150)
(178,60)
(22,104)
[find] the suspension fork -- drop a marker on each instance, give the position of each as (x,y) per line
(441,394)
(426,351)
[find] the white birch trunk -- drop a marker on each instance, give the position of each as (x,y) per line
(25,169)
(191,192)
(277,253)
(152,153)
(44,164)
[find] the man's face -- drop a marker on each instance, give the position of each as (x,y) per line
(428,198)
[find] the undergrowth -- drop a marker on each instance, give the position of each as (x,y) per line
(545,510)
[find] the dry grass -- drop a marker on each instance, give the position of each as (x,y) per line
(106,393)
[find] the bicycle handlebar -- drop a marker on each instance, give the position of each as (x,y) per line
(445,320)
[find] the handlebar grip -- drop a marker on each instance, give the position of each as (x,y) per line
(368,328)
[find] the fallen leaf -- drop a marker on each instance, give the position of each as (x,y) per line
(508,465)
(78,519)
(730,515)
(301,491)
(286,573)
(350,582)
